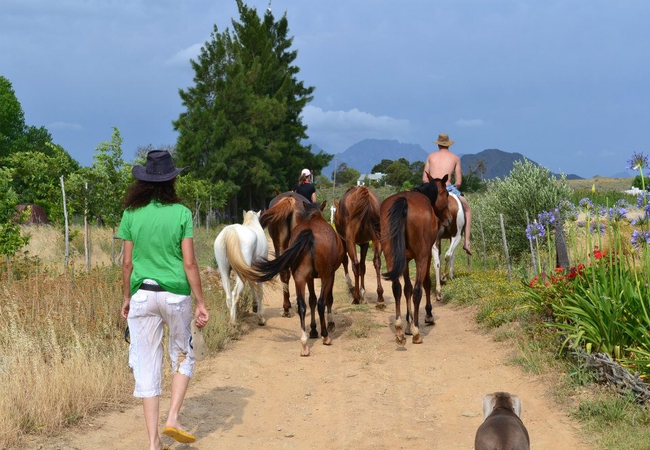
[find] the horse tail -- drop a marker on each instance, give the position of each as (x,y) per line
(397,237)
(366,207)
(289,259)
(236,258)
(282,211)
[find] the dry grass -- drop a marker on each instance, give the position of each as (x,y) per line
(601,184)
(62,350)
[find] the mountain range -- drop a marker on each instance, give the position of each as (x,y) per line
(364,155)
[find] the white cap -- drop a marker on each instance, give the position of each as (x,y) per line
(305,172)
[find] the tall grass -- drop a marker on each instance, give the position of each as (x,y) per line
(62,350)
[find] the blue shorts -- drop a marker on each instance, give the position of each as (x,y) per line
(453,190)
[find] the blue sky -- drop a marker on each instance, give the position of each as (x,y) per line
(563,82)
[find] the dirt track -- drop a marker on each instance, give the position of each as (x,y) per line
(359,393)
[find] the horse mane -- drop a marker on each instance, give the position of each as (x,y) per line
(429,189)
(248,217)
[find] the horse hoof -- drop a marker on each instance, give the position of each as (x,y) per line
(408,332)
(261,322)
(380,306)
(304,352)
(331,326)
(400,340)
(286,313)
(429,320)
(327,340)
(313,334)
(417,339)
(355,302)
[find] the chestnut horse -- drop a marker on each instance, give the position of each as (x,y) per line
(409,230)
(280,219)
(454,232)
(357,222)
(315,251)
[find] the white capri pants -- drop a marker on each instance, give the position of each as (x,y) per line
(148,312)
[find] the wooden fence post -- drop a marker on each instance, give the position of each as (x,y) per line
(505,246)
(67,230)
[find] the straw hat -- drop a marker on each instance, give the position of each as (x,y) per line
(443,139)
(159,167)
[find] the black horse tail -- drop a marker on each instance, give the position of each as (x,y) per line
(397,236)
(289,259)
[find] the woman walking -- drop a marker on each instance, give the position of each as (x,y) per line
(160,272)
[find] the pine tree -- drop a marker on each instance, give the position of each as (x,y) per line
(242,122)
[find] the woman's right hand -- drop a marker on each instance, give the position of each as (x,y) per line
(201,315)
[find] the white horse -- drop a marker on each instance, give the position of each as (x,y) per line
(236,247)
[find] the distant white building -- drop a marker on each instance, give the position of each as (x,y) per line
(634,191)
(367,177)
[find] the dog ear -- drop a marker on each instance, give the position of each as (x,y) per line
(489,402)
(516,404)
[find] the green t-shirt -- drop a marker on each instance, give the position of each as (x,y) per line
(156,231)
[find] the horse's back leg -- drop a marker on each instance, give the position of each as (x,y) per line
(376,261)
(363,253)
(399,325)
(258,293)
(408,296)
(427,292)
(302,310)
(435,252)
(327,286)
(313,331)
(285,275)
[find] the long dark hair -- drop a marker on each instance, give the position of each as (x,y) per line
(141,193)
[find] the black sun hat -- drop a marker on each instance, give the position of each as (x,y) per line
(159,167)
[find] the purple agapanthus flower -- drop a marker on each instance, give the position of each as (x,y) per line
(546,218)
(640,238)
(586,203)
(597,226)
(638,162)
(535,231)
(616,213)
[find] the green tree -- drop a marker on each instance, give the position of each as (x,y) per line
(15,135)
(35,177)
(346,176)
(382,166)
(641,183)
(242,120)
(11,239)
(12,118)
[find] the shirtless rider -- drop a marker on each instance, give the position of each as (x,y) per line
(444,162)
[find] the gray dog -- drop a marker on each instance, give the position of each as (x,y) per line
(502,429)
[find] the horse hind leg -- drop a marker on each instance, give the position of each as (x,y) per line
(428,319)
(258,293)
(376,262)
(400,338)
(236,293)
(313,331)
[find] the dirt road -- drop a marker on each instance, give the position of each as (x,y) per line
(359,393)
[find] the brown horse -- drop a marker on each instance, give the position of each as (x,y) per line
(357,221)
(315,251)
(280,219)
(409,229)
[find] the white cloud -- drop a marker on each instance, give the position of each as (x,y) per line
(182,58)
(64,126)
(335,131)
(469,123)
